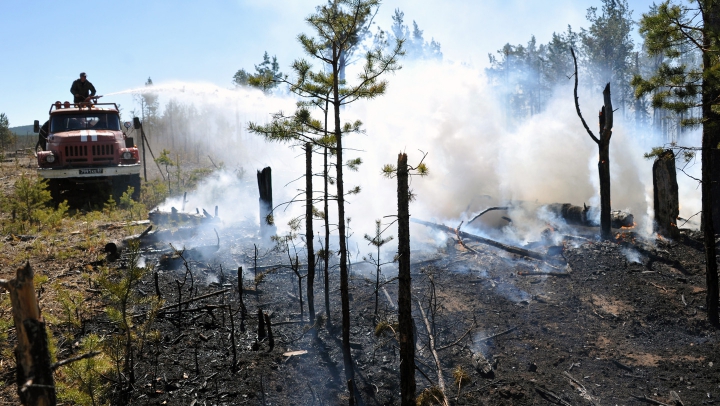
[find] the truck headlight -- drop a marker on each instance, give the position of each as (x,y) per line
(50,159)
(127,155)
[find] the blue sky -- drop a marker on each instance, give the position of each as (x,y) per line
(45,44)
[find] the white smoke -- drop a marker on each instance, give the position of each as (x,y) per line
(476,158)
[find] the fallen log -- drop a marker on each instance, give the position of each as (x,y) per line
(115,248)
(162,217)
(576,215)
(482,240)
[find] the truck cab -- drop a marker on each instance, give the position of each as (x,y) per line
(86,152)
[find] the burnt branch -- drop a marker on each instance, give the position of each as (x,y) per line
(577,103)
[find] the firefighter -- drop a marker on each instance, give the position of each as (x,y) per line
(82,88)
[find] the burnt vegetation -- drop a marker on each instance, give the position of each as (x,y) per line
(116,306)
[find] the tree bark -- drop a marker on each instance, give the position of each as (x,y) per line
(711,125)
(35,382)
(309,235)
(344,293)
(405,328)
(665,195)
(604,172)
(606,125)
(326,258)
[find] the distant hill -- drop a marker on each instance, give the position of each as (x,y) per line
(22,130)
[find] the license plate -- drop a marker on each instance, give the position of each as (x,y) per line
(90,171)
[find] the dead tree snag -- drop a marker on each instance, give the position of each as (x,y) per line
(309,232)
(603,143)
(405,329)
(264,179)
(665,195)
(35,383)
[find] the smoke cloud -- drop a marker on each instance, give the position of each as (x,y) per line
(477,158)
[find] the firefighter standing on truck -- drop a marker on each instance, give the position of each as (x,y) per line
(82,88)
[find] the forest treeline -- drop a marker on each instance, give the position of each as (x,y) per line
(525,76)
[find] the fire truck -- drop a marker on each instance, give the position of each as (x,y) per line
(86,154)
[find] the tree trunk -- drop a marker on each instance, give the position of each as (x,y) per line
(326,257)
(665,195)
(35,382)
(606,125)
(264,179)
(710,138)
(405,328)
(344,293)
(604,171)
(309,235)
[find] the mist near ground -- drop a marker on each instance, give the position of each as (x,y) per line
(477,158)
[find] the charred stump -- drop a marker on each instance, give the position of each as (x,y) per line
(405,329)
(264,179)
(261,325)
(35,383)
(665,195)
(271,339)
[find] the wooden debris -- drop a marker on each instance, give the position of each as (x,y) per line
(114,248)
(497,335)
(676,399)
(162,309)
(487,210)
(482,364)
(540,273)
(467,236)
(294,353)
(650,400)
(387,295)
(438,365)
(551,396)
(621,365)
(34,377)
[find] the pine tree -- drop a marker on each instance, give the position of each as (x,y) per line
(267,75)
(6,136)
(336,25)
(608,47)
(669,30)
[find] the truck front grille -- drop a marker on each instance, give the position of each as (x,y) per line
(76,150)
(103,149)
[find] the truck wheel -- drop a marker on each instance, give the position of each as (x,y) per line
(121,183)
(119,186)
(135,183)
(55,190)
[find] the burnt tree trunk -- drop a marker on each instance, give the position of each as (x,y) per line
(711,125)
(326,253)
(326,257)
(35,383)
(261,325)
(264,179)
(344,293)
(665,195)
(606,120)
(309,235)
(603,143)
(241,292)
(405,328)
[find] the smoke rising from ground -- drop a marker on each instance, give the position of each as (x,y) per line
(476,158)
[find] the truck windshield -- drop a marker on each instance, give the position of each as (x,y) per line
(95,121)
